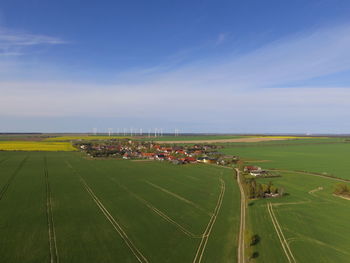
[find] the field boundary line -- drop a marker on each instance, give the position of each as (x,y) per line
(12,177)
(202,245)
(54,256)
(158,212)
(280,234)
(313,174)
(135,251)
(241,252)
(179,197)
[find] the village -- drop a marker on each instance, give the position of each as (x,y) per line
(176,154)
(179,155)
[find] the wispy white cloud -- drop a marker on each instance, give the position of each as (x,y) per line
(222,37)
(259,84)
(13,42)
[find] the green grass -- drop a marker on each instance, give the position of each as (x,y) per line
(84,234)
(315,225)
(192,137)
(83,138)
(327,158)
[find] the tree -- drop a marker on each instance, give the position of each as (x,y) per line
(265,188)
(260,191)
(281,191)
(273,189)
(342,189)
(254,239)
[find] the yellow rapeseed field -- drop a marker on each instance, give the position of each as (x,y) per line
(35,146)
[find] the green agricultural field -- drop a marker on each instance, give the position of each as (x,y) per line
(288,141)
(192,137)
(63,207)
(329,158)
(311,223)
(83,138)
(314,223)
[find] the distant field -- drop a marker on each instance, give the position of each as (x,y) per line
(286,142)
(192,138)
(314,222)
(328,158)
(114,210)
(35,146)
(224,139)
(75,138)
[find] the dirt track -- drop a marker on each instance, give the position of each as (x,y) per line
(341,196)
(241,255)
(206,234)
(280,235)
(54,257)
(255,139)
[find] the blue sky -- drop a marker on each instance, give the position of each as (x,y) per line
(199,66)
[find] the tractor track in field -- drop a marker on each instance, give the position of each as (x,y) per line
(140,257)
(179,197)
(12,177)
(281,237)
(160,213)
(135,251)
(54,256)
(202,245)
(4,160)
(241,252)
(156,210)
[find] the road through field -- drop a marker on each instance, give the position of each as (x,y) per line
(241,256)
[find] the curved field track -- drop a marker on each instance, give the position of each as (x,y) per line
(63,207)
(241,254)
(280,235)
(206,234)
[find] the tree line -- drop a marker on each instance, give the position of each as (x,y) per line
(342,189)
(260,190)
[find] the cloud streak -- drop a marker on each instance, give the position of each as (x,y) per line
(266,84)
(12,43)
